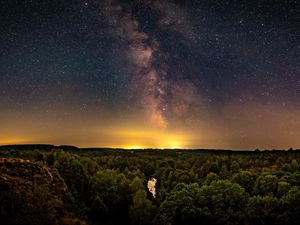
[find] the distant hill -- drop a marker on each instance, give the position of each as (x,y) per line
(39,147)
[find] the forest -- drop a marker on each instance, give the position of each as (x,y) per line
(65,185)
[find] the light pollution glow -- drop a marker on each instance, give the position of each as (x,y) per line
(236,127)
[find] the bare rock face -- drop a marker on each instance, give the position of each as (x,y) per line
(151,185)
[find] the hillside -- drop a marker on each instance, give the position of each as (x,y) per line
(32,193)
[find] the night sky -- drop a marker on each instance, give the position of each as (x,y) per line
(150,74)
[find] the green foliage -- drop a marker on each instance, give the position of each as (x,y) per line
(74,173)
(266,184)
(218,203)
(214,168)
(225,202)
(235,166)
(294,166)
(291,206)
(211,177)
(137,184)
(263,210)
(110,195)
(180,206)
(141,210)
(108,187)
(283,188)
(245,179)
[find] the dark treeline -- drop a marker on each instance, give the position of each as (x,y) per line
(67,185)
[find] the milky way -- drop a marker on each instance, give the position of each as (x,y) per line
(147,73)
(147,64)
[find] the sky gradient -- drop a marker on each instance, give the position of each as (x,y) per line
(150,74)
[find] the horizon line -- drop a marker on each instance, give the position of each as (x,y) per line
(148,148)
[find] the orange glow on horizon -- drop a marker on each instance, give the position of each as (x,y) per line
(234,129)
(14,141)
(143,139)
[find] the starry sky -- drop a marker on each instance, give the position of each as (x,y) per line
(150,73)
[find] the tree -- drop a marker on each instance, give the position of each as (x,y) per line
(136,185)
(141,209)
(291,206)
(234,167)
(266,184)
(283,188)
(112,189)
(211,177)
(74,173)
(294,166)
(214,168)
(223,202)
(263,210)
(180,206)
(246,179)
